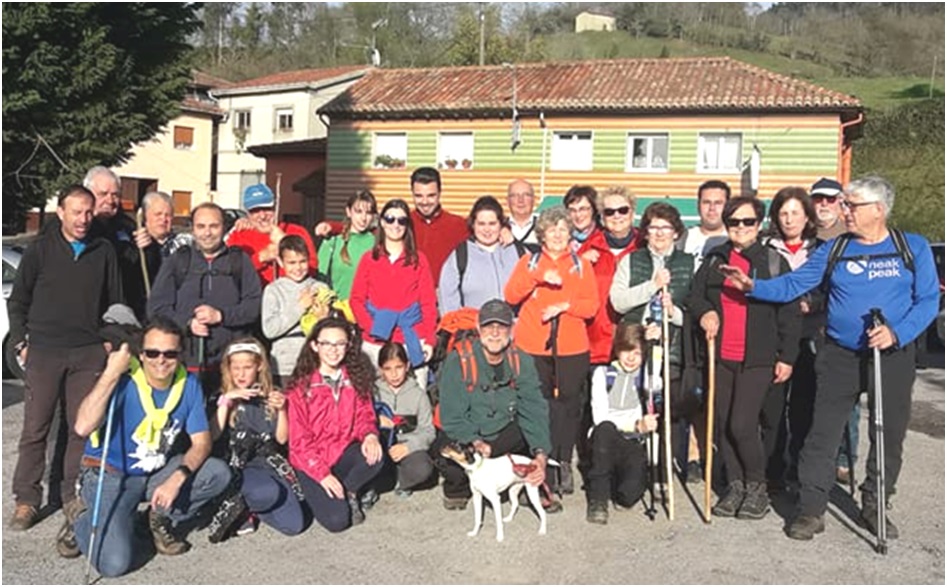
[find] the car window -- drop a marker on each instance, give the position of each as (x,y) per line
(9,273)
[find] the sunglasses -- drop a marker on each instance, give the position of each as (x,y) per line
(827,199)
(402,220)
(735,222)
(155,353)
(621,211)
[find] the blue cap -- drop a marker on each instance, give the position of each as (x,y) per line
(258,196)
(826,187)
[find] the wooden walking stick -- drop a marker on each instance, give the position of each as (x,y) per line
(709,445)
(140,220)
(668,465)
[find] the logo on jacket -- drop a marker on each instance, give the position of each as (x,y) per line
(856,267)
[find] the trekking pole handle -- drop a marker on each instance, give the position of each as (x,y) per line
(877,319)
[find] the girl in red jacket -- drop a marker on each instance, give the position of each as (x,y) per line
(333,440)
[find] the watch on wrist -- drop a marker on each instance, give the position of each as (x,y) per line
(186,470)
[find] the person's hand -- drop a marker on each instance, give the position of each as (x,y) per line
(710,322)
(552,277)
(268,253)
(207,315)
(385,422)
(554,310)
(276,235)
(662,278)
(804,307)
(591,256)
(482,447)
(142,237)
(371,449)
(199,329)
(506,236)
(782,372)
(428,351)
(652,331)
(398,452)
(117,362)
(667,303)
(737,277)
(333,487)
(648,423)
(323,229)
(881,337)
(242,224)
(165,494)
(276,400)
(21,357)
(537,476)
(306,298)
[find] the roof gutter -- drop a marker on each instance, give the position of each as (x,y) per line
(845,158)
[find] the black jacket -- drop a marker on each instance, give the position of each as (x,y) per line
(58,300)
(772,330)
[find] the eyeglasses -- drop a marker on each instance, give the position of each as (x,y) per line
(621,211)
(735,222)
(823,197)
(852,205)
(171,355)
(402,220)
(328,344)
(661,229)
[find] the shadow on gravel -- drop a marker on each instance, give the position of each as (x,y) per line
(927,418)
(12,392)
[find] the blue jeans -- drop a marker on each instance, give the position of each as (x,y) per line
(842,458)
(121,494)
(272,499)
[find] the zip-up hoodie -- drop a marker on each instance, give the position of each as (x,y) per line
(410,400)
(620,404)
(281,313)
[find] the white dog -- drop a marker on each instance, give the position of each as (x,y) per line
(491,477)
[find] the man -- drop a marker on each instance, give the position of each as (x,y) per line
(521,201)
(501,412)
(712,195)
(437,232)
(156,237)
(826,196)
(210,290)
(155,400)
(66,281)
(260,234)
(872,272)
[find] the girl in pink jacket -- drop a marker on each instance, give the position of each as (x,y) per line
(333,440)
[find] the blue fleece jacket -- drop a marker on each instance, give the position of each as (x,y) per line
(877,278)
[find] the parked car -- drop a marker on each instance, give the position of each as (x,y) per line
(11,262)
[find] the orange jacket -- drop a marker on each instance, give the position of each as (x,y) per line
(528,287)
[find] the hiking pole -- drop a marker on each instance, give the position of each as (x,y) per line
(649,443)
(669,467)
(279,183)
(98,486)
(881,527)
(553,345)
(709,448)
(139,218)
(849,458)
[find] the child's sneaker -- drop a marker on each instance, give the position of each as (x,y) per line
(249,526)
(368,499)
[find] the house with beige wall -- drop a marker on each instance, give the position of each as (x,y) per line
(277,108)
(593,21)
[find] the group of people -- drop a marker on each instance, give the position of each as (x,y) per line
(301,376)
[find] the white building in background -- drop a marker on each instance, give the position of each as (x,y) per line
(594,21)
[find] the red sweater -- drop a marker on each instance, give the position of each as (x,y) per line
(733,306)
(253,241)
(602,327)
(321,428)
(437,236)
(394,286)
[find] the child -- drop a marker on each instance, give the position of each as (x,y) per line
(286,300)
(255,414)
(619,458)
(339,255)
(412,424)
(333,441)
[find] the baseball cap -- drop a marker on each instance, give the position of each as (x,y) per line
(495,311)
(258,196)
(826,187)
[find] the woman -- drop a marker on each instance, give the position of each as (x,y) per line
(792,234)
(749,357)
(582,203)
(639,281)
(558,294)
(393,292)
(479,267)
(611,245)
(333,440)
(339,255)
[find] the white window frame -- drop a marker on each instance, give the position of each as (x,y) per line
(456,145)
(238,119)
(565,154)
(389,147)
(649,166)
(716,140)
(279,113)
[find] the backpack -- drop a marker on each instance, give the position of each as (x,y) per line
(838,249)
(576,262)
(181,266)
(460,255)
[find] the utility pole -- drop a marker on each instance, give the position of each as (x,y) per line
(482,39)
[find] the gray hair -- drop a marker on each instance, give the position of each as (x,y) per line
(873,188)
(551,217)
(150,198)
(100,170)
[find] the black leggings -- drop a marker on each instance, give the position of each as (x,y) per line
(739,398)
(565,411)
(353,472)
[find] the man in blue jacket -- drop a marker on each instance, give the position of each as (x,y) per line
(873,270)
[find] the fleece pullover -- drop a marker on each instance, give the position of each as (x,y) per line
(409,400)
(280,314)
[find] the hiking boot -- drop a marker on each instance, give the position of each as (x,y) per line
(24,517)
(805,527)
(163,533)
(729,504)
(368,499)
(597,513)
(755,504)
(694,473)
(358,516)
(843,475)
(229,516)
(455,503)
(550,502)
(66,544)
(869,521)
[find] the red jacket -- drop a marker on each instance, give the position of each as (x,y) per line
(394,286)
(602,327)
(321,428)
(253,241)
(438,236)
